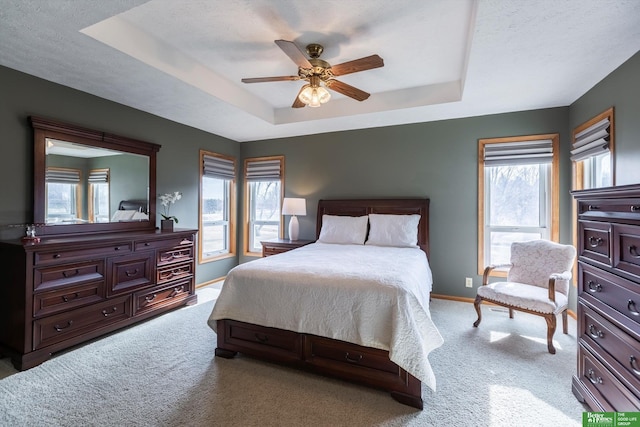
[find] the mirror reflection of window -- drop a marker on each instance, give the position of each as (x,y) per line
(99,195)
(62,187)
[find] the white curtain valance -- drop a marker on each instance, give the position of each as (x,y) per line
(218,167)
(592,141)
(518,153)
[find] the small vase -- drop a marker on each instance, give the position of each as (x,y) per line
(166,225)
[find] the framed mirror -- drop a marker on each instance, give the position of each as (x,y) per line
(88,181)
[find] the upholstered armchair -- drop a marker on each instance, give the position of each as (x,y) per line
(537,283)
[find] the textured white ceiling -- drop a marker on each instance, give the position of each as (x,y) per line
(183,60)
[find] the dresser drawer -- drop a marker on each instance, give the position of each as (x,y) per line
(324,352)
(594,241)
(159,297)
(612,206)
(626,249)
(603,385)
(174,255)
(173,272)
(601,333)
(60,327)
(60,256)
(616,292)
(67,275)
(173,242)
(128,272)
(51,302)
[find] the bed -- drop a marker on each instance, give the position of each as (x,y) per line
(364,319)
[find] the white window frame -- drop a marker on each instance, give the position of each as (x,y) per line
(228,213)
(253,248)
(549,199)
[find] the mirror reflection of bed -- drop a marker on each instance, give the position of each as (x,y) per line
(353,305)
(131,210)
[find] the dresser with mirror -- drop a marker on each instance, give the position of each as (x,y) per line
(93,261)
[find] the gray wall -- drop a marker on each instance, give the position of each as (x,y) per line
(438,160)
(24,95)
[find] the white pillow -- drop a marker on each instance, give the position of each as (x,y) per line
(393,230)
(346,230)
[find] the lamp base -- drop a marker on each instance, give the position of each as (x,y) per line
(294,228)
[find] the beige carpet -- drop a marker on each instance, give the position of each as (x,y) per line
(163,373)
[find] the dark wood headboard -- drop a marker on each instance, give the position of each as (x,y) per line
(359,207)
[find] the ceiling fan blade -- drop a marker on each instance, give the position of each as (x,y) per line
(348,90)
(297,103)
(294,52)
(362,64)
(270,79)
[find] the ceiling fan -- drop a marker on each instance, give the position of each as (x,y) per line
(320,74)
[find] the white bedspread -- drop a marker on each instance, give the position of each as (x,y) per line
(368,295)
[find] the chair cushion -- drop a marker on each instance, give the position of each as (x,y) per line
(534,261)
(524,296)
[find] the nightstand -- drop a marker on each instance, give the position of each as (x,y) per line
(277,246)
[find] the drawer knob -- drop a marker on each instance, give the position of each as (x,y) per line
(594,332)
(634,365)
(176,291)
(62,328)
(594,242)
(132,273)
(593,207)
(633,250)
(67,298)
(71,273)
(635,208)
(351,359)
(150,298)
(594,287)
(56,256)
(261,338)
(107,313)
(591,374)
(631,306)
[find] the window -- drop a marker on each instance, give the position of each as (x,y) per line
(62,187)
(592,152)
(216,206)
(99,195)
(263,177)
(518,194)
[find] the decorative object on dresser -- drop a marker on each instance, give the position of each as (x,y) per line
(608,374)
(278,246)
(338,285)
(294,206)
(537,283)
(166,200)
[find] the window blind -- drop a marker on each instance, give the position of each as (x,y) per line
(98,176)
(518,153)
(218,167)
(263,170)
(62,176)
(592,141)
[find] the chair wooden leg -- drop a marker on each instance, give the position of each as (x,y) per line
(565,326)
(510,313)
(476,305)
(551,329)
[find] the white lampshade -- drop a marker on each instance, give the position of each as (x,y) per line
(294,206)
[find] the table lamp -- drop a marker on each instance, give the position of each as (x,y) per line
(294,206)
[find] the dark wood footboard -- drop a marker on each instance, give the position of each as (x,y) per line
(339,359)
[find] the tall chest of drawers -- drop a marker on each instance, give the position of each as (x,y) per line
(608,374)
(63,291)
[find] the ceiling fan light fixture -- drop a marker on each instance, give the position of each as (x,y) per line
(314,96)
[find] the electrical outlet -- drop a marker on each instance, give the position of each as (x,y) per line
(468,282)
